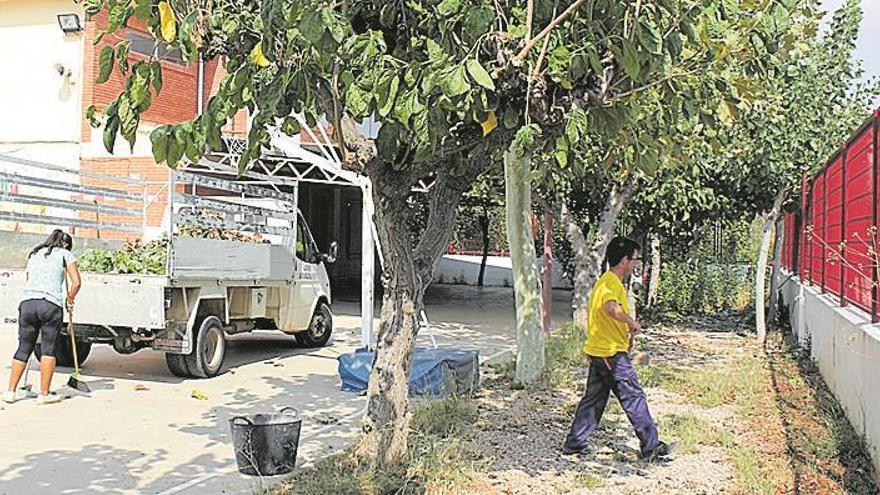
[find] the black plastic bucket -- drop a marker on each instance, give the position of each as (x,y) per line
(266,444)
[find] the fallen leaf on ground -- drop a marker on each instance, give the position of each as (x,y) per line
(198,395)
(140,388)
(326,419)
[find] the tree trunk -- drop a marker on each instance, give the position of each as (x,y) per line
(547,272)
(484,230)
(654,276)
(617,200)
(760,275)
(529,335)
(775,274)
(408,272)
(581,291)
(386,423)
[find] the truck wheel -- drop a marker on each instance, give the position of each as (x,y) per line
(210,349)
(320,328)
(177,365)
(63,354)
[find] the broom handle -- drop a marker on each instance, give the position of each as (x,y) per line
(73,345)
(70,331)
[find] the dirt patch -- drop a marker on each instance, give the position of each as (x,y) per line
(745,422)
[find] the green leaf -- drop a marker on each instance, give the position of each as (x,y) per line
(105,64)
(629,59)
(116,17)
(312,26)
(90,116)
(649,37)
(578,67)
(510,120)
(448,7)
(435,52)
(595,62)
(477,22)
(159,138)
(355,102)
(156,75)
(386,141)
(726,112)
(479,74)
(143,10)
(388,15)
(176,145)
(140,82)
(558,63)
(110,128)
(122,50)
(128,120)
(335,26)
(456,83)
(272,15)
(290,126)
(561,152)
(92,7)
(577,126)
(195,145)
(387,95)
(673,44)
(184,36)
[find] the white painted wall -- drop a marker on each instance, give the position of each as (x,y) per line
(846,348)
(37,105)
(464,270)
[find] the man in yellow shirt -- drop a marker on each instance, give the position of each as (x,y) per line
(609,336)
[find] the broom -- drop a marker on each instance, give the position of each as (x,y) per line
(75,381)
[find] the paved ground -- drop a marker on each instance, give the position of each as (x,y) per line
(162,441)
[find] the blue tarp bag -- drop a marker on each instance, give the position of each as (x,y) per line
(434,372)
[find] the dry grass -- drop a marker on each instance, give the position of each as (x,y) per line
(767,416)
(439,460)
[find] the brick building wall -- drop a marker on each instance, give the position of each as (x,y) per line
(176,102)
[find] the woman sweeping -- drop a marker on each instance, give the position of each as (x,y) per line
(41,310)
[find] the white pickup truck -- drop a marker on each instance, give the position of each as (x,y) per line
(212,288)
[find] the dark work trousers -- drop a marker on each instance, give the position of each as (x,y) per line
(38,317)
(612,374)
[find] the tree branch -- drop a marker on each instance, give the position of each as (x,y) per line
(653,84)
(530,18)
(517,60)
(537,68)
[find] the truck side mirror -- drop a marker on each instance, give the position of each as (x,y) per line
(332,253)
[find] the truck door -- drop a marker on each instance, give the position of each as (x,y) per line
(308,279)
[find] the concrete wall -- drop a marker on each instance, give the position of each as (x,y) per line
(462,269)
(38,104)
(846,348)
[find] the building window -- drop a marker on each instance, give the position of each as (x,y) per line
(147,45)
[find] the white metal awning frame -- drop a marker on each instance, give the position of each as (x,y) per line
(287,164)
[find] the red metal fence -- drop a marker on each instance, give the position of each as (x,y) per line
(832,241)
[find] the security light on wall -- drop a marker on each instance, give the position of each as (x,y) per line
(69,23)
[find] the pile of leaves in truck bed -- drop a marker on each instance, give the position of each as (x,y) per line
(134,257)
(218,233)
(206,231)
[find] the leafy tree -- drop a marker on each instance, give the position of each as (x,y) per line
(457,85)
(814,102)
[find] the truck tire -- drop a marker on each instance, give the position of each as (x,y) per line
(320,328)
(206,360)
(63,354)
(177,365)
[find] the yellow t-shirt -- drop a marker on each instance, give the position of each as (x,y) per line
(605,335)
